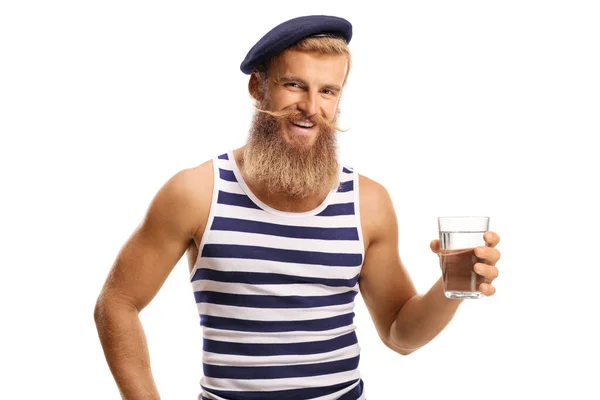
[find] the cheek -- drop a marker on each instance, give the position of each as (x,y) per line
(282,100)
(330,111)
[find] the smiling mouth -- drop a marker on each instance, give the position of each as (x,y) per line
(303,124)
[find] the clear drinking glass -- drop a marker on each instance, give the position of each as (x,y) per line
(458,238)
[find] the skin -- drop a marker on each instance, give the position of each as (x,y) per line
(309,83)
(177,216)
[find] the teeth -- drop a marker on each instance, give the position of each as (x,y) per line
(303,124)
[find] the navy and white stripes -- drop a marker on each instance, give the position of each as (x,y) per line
(275,294)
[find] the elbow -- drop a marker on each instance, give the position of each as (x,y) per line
(403,351)
(99,311)
(398,343)
(398,348)
(101,307)
(109,307)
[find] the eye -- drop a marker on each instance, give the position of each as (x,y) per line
(293,85)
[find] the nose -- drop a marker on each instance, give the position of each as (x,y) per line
(309,104)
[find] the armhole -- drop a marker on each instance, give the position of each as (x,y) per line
(211,216)
(357,213)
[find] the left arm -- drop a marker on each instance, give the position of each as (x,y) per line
(404,319)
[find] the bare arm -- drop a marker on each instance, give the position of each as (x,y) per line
(404,319)
(177,212)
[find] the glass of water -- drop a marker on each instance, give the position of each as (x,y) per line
(458,238)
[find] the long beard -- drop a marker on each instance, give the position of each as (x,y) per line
(295,169)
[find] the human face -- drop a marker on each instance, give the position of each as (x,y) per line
(309,83)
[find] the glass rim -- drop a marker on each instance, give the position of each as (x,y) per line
(464,217)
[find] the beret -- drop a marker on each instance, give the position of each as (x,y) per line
(292,31)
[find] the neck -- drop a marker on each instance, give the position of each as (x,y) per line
(278,201)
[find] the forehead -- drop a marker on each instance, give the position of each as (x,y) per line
(312,67)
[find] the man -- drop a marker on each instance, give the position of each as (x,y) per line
(280,238)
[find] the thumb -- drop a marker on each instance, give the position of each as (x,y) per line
(435,246)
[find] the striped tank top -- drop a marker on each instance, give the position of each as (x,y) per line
(275,294)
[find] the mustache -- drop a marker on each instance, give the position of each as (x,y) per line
(295,115)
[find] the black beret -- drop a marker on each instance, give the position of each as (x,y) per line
(290,32)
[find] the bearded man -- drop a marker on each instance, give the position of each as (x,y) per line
(280,238)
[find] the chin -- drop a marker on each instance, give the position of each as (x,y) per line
(303,143)
(302,140)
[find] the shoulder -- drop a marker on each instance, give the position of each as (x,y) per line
(190,184)
(375,199)
(372,191)
(183,201)
(378,216)
(192,181)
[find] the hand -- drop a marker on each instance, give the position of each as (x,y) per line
(489,253)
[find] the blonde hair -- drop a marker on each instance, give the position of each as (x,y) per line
(322,44)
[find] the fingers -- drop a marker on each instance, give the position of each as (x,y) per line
(489,254)
(435,246)
(487,289)
(489,272)
(491,238)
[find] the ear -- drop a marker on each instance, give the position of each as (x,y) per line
(254,87)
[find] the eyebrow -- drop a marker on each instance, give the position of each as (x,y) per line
(290,78)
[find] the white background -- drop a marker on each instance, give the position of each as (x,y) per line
(458,108)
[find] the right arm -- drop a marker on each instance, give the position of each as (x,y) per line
(175,216)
